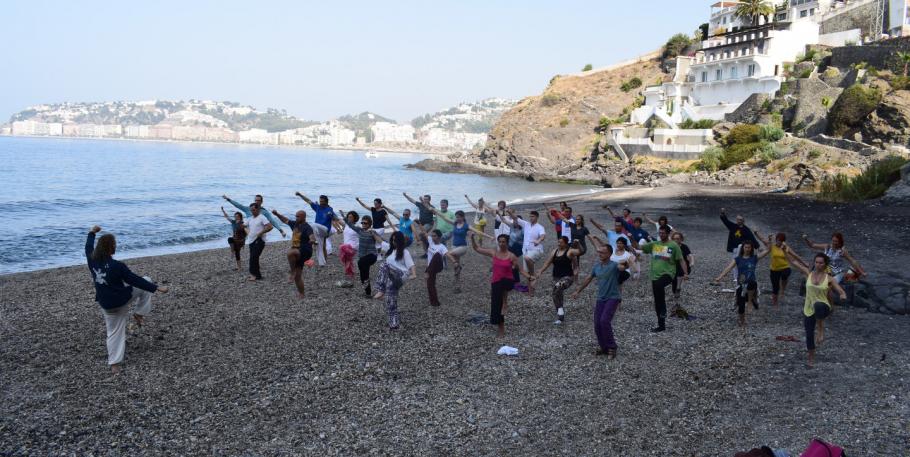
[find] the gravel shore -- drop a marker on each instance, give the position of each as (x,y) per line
(228,367)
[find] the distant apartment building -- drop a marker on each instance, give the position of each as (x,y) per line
(257,136)
(161,132)
(220,134)
(442,138)
(36,128)
(6,130)
(136,131)
(387,132)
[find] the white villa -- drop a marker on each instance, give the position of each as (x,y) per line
(738,59)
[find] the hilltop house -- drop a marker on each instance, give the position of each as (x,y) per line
(739,59)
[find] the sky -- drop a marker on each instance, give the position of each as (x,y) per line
(319,59)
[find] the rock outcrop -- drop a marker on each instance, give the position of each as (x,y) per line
(890,122)
(558,128)
(899,193)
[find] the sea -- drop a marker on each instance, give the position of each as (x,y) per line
(164,197)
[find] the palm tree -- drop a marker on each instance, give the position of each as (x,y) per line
(904,57)
(753,9)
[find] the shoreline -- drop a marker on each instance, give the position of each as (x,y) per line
(282,146)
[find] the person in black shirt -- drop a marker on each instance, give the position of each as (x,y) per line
(689,260)
(302,241)
(116,287)
(378,213)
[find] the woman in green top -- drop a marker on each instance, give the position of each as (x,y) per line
(817,307)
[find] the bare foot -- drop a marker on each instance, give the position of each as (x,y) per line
(139,319)
(300,296)
(115,369)
(378,296)
(251,278)
(291,279)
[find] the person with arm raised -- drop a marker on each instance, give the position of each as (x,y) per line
(460,232)
(561,260)
(397,267)
(322,226)
(116,289)
(246,210)
(378,213)
(257,226)
(501,280)
(817,306)
(480,220)
(780,264)
(238,234)
(664,254)
(437,253)
(609,297)
(366,249)
(745,263)
(302,241)
(532,248)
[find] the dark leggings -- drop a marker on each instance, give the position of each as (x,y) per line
(777,277)
(741,298)
(433,269)
(256,248)
(235,247)
(364,263)
(498,291)
(659,286)
(821,311)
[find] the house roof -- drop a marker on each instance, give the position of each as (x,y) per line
(724,4)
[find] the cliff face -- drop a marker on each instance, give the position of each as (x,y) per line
(555,130)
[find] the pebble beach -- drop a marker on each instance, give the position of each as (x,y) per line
(228,367)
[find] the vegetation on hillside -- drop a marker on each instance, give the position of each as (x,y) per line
(854,104)
(676,45)
(871,183)
(744,142)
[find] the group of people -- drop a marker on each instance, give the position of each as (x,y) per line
(444,237)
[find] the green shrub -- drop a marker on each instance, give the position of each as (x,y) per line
(777,120)
(711,159)
(699,124)
(635,82)
(549,100)
(625,87)
(806,73)
(739,153)
(587,67)
(814,154)
(743,134)
(900,82)
(853,105)
(767,154)
(563,122)
(871,183)
(676,45)
(770,133)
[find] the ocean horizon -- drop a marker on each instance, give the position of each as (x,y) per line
(165,197)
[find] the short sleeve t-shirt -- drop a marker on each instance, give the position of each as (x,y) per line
(433,249)
(532,233)
(350,237)
(442,225)
(256,224)
(664,257)
(607,275)
(404,226)
(567,228)
(424,215)
(324,215)
(745,267)
(613,235)
(403,265)
(300,237)
(379,217)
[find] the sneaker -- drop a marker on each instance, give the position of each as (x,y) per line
(557,322)
(658,329)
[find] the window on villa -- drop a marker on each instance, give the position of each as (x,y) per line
(734,71)
(704,76)
(803,13)
(718,75)
(751,70)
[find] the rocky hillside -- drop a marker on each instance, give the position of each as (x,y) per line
(558,126)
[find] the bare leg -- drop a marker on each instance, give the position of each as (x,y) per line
(820,332)
(293,257)
(811,361)
(783,287)
(297,274)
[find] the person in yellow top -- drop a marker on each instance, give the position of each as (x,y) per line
(817,307)
(780,264)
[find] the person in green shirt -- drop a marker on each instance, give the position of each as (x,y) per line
(665,255)
(442,223)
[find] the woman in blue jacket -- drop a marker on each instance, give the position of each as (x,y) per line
(116,287)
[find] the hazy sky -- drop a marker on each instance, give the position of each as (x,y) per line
(319,59)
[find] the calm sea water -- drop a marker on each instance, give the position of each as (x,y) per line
(164,198)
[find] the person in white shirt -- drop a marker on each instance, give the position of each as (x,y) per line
(349,245)
(257,226)
(397,267)
(437,252)
(532,249)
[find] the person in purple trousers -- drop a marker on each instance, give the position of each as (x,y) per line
(609,296)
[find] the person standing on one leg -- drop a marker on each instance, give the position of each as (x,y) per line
(534,235)
(459,233)
(609,297)
(425,216)
(404,224)
(745,264)
(738,232)
(817,307)
(302,241)
(257,226)
(322,226)
(436,255)
(689,260)
(116,288)
(501,281)
(563,274)
(665,254)
(780,264)
(480,219)
(246,210)
(238,235)
(398,267)
(366,250)
(378,213)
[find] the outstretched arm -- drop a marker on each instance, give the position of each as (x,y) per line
(582,286)
(650,221)
(441,216)
(725,272)
(481,234)
(243,208)
(814,245)
(272,221)
(610,210)
(224,213)
(597,241)
(596,224)
(409,198)
(545,265)
(392,212)
(280,216)
(480,250)
(90,242)
(798,262)
(472,203)
(727,223)
(856,266)
(837,288)
(310,202)
(362,204)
